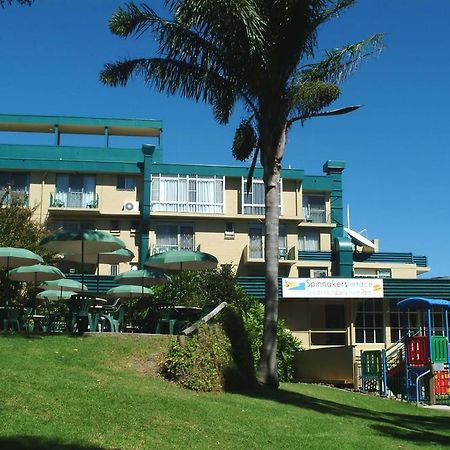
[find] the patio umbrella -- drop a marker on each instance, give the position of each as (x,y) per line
(118,256)
(35,273)
(15,257)
(179,260)
(63,284)
(129,291)
(182,260)
(53,294)
(115,257)
(142,277)
(82,242)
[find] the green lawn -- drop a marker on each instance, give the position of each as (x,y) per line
(102,392)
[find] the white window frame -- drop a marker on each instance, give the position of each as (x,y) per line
(164,247)
(186,192)
(366,328)
(125,179)
(303,239)
(282,249)
(257,209)
(306,208)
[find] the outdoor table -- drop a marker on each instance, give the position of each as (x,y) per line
(187,312)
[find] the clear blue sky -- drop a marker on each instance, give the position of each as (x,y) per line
(396,148)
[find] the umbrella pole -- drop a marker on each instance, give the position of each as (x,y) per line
(98,271)
(82,263)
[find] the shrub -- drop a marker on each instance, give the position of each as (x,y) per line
(241,321)
(201,362)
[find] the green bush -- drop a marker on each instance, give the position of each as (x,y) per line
(241,321)
(200,363)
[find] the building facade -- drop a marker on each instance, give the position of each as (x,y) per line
(109,174)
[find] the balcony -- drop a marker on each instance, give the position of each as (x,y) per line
(18,198)
(256,255)
(315,215)
(73,200)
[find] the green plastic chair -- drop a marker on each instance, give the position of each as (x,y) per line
(117,318)
(12,320)
(166,316)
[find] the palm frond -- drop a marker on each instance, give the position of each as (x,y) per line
(172,76)
(217,20)
(340,63)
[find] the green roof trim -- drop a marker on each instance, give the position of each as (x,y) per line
(318,183)
(76,159)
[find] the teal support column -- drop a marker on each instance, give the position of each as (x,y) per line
(57,135)
(342,265)
(334,170)
(148,151)
(106,137)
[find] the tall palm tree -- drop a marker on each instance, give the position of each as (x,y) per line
(262,54)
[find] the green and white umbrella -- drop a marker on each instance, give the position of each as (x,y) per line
(35,273)
(63,285)
(179,260)
(129,291)
(52,294)
(116,257)
(83,243)
(15,257)
(142,277)
(182,260)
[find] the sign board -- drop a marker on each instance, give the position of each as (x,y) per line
(332,288)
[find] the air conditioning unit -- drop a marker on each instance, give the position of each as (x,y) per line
(130,206)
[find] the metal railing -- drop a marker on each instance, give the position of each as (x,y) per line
(315,215)
(19,198)
(73,200)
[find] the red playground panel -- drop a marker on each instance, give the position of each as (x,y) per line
(442,382)
(418,354)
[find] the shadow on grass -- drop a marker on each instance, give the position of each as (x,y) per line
(24,335)
(38,443)
(405,427)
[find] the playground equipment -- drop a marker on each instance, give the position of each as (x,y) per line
(417,367)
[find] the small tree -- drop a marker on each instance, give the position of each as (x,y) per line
(18,229)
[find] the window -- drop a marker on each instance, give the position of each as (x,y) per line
(174,237)
(314,209)
(309,241)
(372,273)
(229,230)
(126,183)
(115,226)
(71,225)
(254,201)
(369,322)
(312,272)
(257,239)
(395,322)
(114,270)
(14,187)
(328,324)
(75,191)
(188,193)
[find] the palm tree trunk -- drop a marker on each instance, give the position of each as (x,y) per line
(272,149)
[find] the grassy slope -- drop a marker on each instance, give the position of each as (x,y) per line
(101,392)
